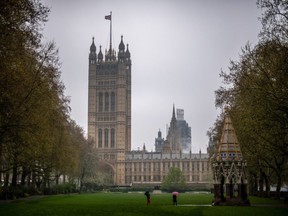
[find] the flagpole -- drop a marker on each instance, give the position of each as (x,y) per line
(110,50)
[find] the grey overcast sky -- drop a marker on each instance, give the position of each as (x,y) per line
(177,47)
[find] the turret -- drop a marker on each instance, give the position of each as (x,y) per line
(92,54)
(100,55)
(121,52)
(127,53)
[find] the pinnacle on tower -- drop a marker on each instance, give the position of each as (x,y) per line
(127,52)
(100,55)
(121,52)
(121,45)
(92,55)
(93,47)
(173,113)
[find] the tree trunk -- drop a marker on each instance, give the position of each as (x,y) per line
(267,185)
(64,178)
(38,180)
(254,186)
(261,183)
(14,175)
(29,179)
(57,179)
(278,187)
(6,179)
(25,172)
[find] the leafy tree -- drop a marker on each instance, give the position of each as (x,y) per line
(214,135)
(20,78)
(257,99)
(274,20)
(256,93)
(88,168)
(174,181)
(38,140)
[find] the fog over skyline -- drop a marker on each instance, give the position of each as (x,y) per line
(177,47)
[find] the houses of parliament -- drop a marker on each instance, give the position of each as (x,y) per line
(109,128)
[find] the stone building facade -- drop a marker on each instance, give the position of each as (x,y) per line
(109,107)
(109,128)
(150,168)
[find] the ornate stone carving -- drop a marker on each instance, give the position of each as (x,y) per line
(229,169)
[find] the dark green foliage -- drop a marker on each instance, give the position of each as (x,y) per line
(38,140)
(255,95)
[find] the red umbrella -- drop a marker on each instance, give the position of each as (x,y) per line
(175,193)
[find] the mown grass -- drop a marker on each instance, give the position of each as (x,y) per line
(129,204)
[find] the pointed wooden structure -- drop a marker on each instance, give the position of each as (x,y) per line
(229,175)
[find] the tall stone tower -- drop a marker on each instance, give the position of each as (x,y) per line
(109,107)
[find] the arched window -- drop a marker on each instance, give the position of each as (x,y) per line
(112,140)
(99,138)
(106,102)
(106,138)
(100,102)
(113,101)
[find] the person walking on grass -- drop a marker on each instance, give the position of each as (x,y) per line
(174,199)
(148,201)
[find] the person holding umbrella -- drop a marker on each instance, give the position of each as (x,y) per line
(174,197)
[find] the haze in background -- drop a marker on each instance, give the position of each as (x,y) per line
(177,47)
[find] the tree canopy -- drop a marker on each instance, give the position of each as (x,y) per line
(255,93)
(174,181)
(39,142)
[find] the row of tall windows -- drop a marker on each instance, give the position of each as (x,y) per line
(104,143)
(149,178)
(167,165)
(106,102)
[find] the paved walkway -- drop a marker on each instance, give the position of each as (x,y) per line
(253,205)
(195,205)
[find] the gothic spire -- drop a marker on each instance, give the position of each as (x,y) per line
(121,52)
(127,53)
(173,113)
(92,55)
(121,45)
(100,55)
(92,47)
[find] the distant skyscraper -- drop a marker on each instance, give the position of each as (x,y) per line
(180,114)
(178,135)
(184,130)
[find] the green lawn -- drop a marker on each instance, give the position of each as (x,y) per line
(134,204)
